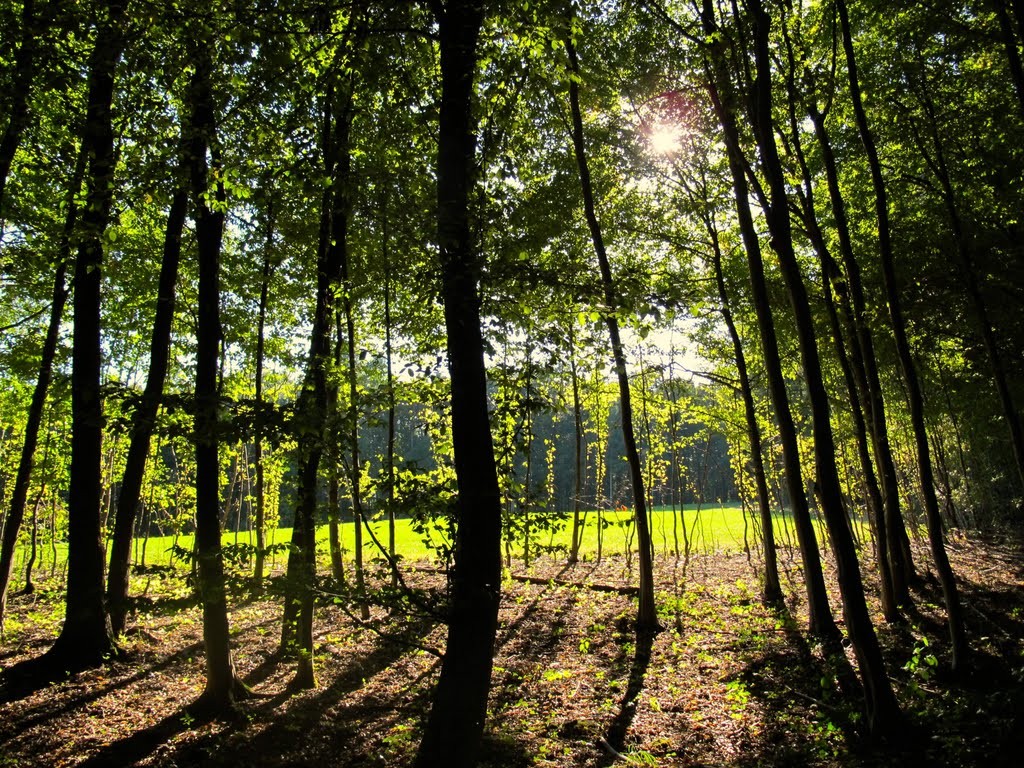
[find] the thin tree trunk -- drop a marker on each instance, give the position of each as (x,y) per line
(830,276)
(311,411)
(901,564)
(144,418)
(958,637)
(883,713)
(23,478)
(577,424)
(772,593)
(820,619)
(647,613)
(26,63)
(86,638)
(454,729)
(390,458)
(258,458)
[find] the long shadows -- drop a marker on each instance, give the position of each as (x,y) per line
(615,738)
(304,728)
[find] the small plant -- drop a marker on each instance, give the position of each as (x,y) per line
(736,695)
(552,675)
(922,666)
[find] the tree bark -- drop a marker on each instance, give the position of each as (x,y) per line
(261,324)
(883,713)
(772,592)
(223,687)
(647,612)
(26,464)
(144,418)
(958,637)
(86,638)
(830,276)
(820,619)
(901,564)
(454,729)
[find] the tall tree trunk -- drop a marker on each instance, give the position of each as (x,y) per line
(820,619)
(772,592)
(390,457)
(311,412)
(882,709)
(647,613)
(258,458)
(144,418)
(86,638)
(958,637)
(577,426)
(23,478)
(340,256)
(454,729)
(26,63)
(334,458)
(901,564)
(223,687)
(830,276)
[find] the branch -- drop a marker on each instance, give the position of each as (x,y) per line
(27,318)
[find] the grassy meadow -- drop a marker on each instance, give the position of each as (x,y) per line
(707,528)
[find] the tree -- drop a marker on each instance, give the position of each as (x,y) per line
(647,611)
(19,494)
(455,726)
(86,638)
(144,418)
(223,686)
(950,594)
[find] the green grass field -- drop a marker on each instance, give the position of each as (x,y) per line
(708,529)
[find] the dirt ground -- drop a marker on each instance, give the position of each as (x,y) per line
(726,683)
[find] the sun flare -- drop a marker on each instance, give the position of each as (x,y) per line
(664,139)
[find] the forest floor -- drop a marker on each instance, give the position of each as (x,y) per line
(727,683)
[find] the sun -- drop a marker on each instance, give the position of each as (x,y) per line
(664,139)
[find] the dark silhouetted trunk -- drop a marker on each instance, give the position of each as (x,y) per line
(86,638)
(19,493)
(772,592)
(647,613)
(577,426)
(258,459)
(958,637)
(454,729)
(883,713)
(311,413)
(144,418)
(830,276)
(901,565)
(389,459)
(820,619)
(223,687)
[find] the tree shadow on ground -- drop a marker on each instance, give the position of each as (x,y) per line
(28,680)
(614,740)
(307,730)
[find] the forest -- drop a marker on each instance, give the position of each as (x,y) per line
(510,383)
